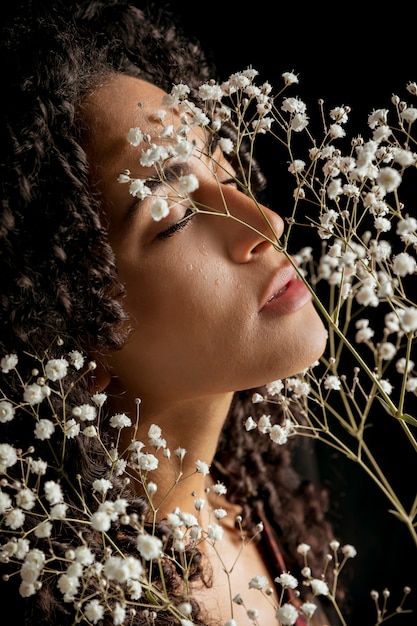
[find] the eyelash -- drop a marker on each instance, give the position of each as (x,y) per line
(183,223)
(175,228)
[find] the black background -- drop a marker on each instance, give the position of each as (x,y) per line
(346,54)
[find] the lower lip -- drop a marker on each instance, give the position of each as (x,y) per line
(294,297)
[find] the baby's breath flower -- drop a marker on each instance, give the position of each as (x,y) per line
(102,485)
(33,394)
(101,521)
(287,614)
(287,580)
(120,420)
(56,369)
(85,412)
(76,359)
(214,532)
(8,363)
(159,209)
(308,608)
(250,423)
(290,78)
(258,582)
(349,551)
(149,547)
(253,614)
(319,587)
(202,467)
(219,489)
(135,136)
(44,429)
(94,611)
(7,411)
(303,548)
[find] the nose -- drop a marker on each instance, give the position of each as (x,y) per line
(249,227)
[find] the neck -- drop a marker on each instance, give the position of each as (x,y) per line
(190,430)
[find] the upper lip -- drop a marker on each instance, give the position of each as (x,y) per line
(280,278)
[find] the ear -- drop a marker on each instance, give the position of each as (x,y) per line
(100,377)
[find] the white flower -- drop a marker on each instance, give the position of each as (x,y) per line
(401,365)
(58,511)
(6,411)
(202,468)
(253,614)
(134,589)
(214,532)
(308,608)
(90,431)
(287,580)
(219,513)
(72,429)
(56,369)
(102,485)
(99,399)
(319,587)
(189,183)
(44,529)
(120,420)
(149,547)
(44,429)
(139,189)
(8,363)
(147,461)
(404,264)
(411,385)
(33,394)
(101,521)
(258,582)
(219,489)
(94,611)
(332,382)
(26,499)
(264,424)
(15,519)
(226,145)
(85,412)
(408,319)
(135,136)
(8,456)
(26,589)
(250,423)
(30,571)
(53,492)
(76,359)
(119,614)
(287,614)
(159,209)
(5,502)
(303,548)
(290,78)
(122,569)
(296,166)
(387,350)
(349,551)
(278,435)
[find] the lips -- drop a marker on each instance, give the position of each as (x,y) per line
(285,292)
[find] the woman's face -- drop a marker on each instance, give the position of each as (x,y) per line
(213,307)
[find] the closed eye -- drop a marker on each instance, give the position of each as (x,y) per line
(178,226)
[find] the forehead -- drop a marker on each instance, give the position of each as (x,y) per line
(119,104)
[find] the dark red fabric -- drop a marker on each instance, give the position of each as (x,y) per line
(274,560)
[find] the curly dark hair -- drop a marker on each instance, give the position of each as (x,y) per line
(58,273)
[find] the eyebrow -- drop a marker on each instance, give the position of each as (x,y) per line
(172,173)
